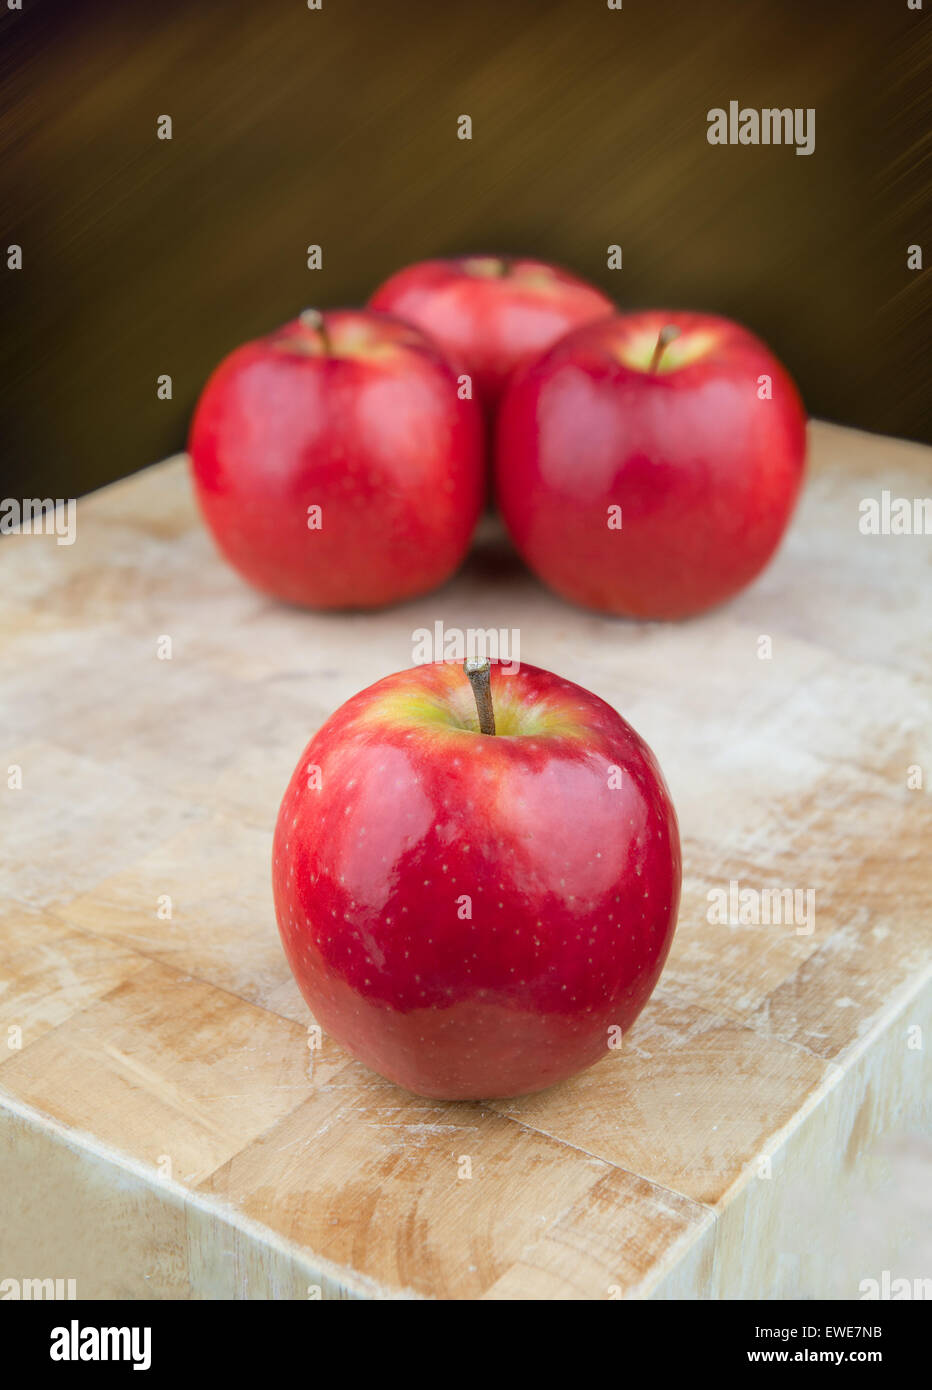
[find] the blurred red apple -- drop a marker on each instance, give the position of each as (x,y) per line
(491,313)
(649,464)
(472,914)
(335,463)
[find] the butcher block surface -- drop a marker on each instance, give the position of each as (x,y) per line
(166,1130)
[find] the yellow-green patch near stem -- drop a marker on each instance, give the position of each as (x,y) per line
(450,708)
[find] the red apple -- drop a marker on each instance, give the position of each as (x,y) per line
(335,463)
(697,436)
(472,914)
(491,313)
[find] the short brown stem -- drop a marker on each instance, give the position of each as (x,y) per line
(313,319)
(480,678)
(665,336)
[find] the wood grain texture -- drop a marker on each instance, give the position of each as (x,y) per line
(165,1130)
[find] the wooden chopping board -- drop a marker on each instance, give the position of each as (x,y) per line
(165,1129)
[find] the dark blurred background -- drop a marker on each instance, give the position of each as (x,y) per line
(294,126)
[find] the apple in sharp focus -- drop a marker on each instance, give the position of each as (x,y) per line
(335,463)
(648,465)
(491,313)
(470,913)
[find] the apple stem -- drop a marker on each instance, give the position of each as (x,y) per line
(480,678)
(665,336)
(314,320)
